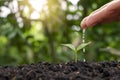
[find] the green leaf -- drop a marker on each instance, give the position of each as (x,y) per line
(82,46)
(69,46)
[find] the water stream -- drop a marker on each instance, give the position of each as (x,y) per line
(83,41)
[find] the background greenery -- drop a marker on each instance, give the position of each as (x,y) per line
(26,40)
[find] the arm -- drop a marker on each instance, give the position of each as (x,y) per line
(108,13)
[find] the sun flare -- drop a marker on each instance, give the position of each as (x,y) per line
(38,5)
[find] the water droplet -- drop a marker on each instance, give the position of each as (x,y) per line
(83,41)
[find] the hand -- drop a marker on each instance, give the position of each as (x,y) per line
(108,13)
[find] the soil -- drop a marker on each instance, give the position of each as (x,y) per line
(64,71)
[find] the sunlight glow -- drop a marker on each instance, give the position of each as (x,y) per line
(64,5)
(35,15)
(4,11)
(38,5)
(74,2)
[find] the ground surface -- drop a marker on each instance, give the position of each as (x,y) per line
(65,71)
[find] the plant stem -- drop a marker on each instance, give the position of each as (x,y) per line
(75,55)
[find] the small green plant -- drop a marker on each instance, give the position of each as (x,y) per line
(76,49)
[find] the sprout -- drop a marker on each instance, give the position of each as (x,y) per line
(76,49)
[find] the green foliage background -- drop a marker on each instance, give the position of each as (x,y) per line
(24,40)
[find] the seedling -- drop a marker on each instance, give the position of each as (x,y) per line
(76,49)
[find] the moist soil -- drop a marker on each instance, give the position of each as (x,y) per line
(64,71)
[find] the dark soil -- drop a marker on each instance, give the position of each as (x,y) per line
(65,71)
